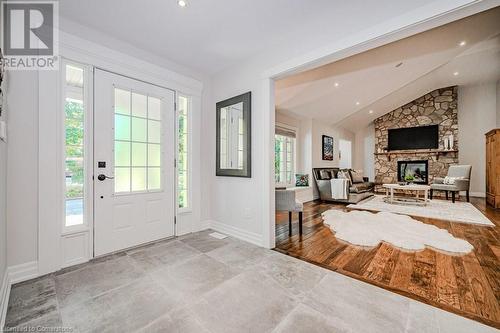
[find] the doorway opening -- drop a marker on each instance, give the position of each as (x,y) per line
(345,154)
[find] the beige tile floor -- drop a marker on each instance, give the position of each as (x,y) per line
(197,283)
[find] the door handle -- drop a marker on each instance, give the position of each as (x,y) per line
(103,177)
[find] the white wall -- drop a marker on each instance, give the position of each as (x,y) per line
(306,137)
(236,202)
(22,167)
(3,199)
(3,202)
(364,148)
(477,114)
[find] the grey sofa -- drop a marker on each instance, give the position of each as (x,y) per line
(357,190)
(462,184)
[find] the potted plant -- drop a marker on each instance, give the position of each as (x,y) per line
(409,178)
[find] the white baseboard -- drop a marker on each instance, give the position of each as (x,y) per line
(204,225)
(244,235)
(478,194)
(23,272)
(4,297)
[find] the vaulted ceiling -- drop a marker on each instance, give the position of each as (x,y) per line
(354,91)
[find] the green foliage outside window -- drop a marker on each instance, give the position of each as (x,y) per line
(182,163)
(74,149)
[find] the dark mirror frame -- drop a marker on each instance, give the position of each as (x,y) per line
(246,172)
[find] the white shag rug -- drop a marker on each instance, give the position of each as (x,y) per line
(369,229)
(464,212)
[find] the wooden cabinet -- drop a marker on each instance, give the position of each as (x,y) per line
(493,168)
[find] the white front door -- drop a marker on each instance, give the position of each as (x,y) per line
(133,162)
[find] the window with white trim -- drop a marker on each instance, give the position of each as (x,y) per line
(183,180)
(284,159)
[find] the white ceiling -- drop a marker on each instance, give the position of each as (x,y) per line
(476,66)
(209,35)
(372,78)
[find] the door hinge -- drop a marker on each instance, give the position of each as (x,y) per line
(175,106)
(175,220)
(175,163)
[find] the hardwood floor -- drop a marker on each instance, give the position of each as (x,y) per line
(467,285)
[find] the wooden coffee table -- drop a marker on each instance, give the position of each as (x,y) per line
(407,199)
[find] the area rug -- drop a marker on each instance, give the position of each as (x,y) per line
(437,209)
(369,229)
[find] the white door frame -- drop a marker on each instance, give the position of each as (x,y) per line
(139,230)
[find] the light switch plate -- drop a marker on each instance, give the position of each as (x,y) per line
(3,130)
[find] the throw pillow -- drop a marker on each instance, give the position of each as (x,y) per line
(347,174)
(301,179)
(451,180)
(357,176)
(324,174)
(344,175)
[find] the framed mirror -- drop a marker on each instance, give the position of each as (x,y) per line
(234,137)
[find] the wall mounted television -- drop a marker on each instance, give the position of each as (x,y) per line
(423,137)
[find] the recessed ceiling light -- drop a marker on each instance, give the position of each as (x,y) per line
(456,73)
(462,43)
(357,103)
(370,112)
(182,3)
(336,84)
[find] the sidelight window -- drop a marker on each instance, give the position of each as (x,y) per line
(183,178)
(74,144)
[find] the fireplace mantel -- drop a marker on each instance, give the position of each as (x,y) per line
(435,152)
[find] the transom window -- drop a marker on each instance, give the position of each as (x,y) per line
(284,158)
(137,142)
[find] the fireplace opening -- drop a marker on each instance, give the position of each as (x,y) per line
(417,169)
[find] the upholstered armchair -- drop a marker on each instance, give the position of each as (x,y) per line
(285,201)
(462,183)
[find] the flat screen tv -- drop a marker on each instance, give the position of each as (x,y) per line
(423,137)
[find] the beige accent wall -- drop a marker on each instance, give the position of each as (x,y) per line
(477,114)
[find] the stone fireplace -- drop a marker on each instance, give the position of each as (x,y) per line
(417,169)
(438,107)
